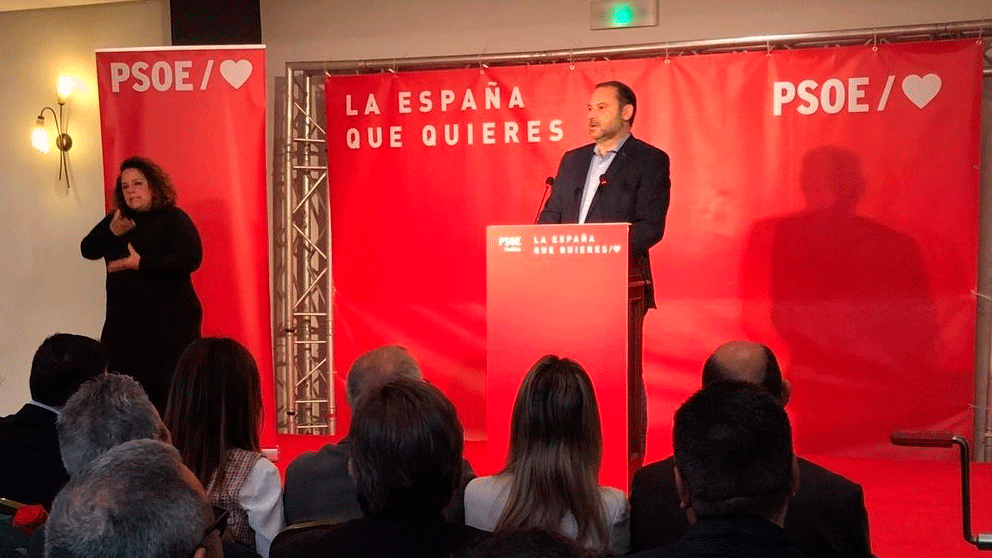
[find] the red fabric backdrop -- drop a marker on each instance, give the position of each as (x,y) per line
(824,201)
(200,113)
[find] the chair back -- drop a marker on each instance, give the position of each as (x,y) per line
(9,507)
(287,539)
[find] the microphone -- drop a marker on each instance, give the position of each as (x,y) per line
(548,183)
(602,181)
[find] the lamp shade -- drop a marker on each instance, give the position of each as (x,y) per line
(39,137)
(64,86)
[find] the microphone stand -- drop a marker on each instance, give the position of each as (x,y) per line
(548,183)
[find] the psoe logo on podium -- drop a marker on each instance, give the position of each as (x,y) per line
(510,243)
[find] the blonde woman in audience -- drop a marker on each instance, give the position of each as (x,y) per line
(214,414)
(549,481)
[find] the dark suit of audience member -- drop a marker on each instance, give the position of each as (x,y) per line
(375,538)
(406,455)
(734,474)
(826,516)
(730,537)
(31,470)
(319,488)
(529,543)
(318,485)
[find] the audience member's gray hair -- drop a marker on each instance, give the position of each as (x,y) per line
(132,501)
(377,366)
(106,411)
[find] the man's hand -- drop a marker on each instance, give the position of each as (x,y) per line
(131,261)
(120,224)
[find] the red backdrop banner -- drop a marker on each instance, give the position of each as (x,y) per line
(200,113)
(824,201)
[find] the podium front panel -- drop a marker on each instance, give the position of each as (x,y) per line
(562,290)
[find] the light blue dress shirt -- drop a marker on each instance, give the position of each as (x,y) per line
(597,167)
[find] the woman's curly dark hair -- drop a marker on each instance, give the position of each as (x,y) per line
(163,193)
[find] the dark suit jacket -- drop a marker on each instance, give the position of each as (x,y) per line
(827,516)
(376,538)
(31,470)
(636,191)
(730,537)
(319,488)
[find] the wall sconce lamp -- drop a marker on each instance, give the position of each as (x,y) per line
(39,137)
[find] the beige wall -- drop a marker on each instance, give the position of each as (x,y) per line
(306,30)
(45,286)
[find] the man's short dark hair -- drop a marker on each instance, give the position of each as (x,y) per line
(733,448)
(625,96)
(715,371)
(62,363)
(106,411)
(134,500)
(406,450)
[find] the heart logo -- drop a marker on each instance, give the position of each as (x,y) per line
(921,90)
(237,73)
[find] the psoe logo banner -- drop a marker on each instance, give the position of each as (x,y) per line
(835,95)
(179,75)
(510,243)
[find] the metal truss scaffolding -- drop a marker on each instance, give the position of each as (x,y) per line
(302,280)
(302,264)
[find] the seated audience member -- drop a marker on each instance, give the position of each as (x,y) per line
(215,414)
(734,473)
(533,543)
(105,412)
(31,471)
(406,457)
(318,486)
(137,499)
(827,516)
(550,478)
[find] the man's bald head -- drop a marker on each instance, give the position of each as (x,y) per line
(378,366)
(746,361)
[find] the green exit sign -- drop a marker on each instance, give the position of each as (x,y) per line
(617,14)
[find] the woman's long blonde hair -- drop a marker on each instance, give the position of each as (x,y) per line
(556,448)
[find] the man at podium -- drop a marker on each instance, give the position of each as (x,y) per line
(617,179)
